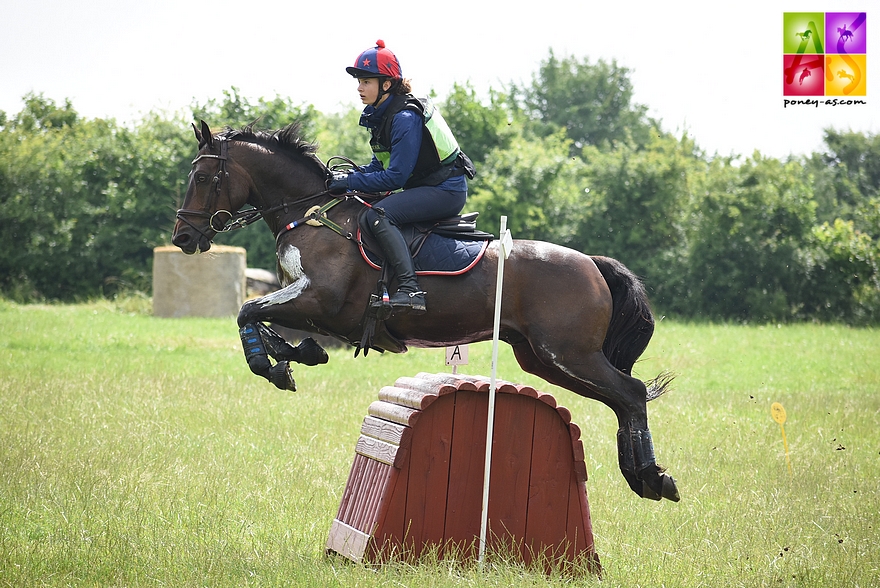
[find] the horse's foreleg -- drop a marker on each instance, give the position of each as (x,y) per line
(308,352)
(258,358)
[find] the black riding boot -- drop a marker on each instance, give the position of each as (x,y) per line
(409,297)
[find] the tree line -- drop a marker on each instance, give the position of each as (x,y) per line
(568,157)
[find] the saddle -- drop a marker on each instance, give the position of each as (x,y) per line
(448,247)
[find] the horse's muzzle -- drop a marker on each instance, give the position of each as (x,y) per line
(189,243)
(188,236)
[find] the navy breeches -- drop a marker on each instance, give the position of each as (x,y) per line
(419,204)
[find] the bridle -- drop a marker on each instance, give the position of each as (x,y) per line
(240,219)
(217,180)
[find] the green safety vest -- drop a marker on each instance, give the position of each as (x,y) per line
(438,151)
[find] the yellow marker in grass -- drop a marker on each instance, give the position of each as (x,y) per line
(778,413)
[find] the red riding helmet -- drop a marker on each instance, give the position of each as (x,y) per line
(376,62)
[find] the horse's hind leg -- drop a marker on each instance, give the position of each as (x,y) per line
(594,377)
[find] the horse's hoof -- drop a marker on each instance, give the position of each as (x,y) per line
(310,353)
(281,375)
(648,492)
(670,491)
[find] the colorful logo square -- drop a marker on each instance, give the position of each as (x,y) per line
(804,75)
(803,32)
(846,32)
(845,75)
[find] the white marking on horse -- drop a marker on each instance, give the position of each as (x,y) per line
(293,278)
(540,251)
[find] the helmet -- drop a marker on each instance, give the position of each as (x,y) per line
(376,62)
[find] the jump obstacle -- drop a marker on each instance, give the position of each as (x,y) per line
(416,481)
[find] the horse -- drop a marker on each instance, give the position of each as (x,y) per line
(804,75)
(576,321)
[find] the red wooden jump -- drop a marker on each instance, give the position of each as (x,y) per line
(417,478)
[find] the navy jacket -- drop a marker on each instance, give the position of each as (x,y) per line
(406,138)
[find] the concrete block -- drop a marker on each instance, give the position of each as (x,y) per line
(211,284)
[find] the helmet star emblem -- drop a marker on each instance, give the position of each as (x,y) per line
(366,63)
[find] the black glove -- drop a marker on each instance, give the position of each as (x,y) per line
(338,184)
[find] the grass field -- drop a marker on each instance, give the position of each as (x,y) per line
(138,451)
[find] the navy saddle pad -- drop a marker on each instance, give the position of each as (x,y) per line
(438,255)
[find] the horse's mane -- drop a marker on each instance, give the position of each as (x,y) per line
(288,140)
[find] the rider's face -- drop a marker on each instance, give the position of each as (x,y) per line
(368,90)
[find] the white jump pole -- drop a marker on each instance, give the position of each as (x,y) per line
(505,245)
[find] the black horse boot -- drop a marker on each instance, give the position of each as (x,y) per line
(409,297)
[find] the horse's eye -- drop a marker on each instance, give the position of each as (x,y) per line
(201,178)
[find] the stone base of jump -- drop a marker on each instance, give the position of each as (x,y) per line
(211,284)
(416,483)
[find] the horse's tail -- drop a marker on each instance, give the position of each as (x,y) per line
(632,322)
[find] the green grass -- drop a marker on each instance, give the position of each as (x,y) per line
(138,451)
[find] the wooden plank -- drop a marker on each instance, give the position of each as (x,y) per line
(462,382)
(465,501)
(564,413)
(418,399)
(548,399)
(443,380)
(391,526)
(347,541)
(428,476)
(386,430)
(574,432)
(376,449)
(361,496)
(394,413)
(576,532)
(511,468)
(432,386)
(526,391)
(378,481)
(549,484)
(584,517)
(347,493)
(352,489)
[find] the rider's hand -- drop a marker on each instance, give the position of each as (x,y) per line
(338,184)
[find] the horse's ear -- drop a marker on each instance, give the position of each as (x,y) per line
(198,135)
(207,137)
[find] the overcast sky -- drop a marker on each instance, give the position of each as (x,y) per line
(713,70)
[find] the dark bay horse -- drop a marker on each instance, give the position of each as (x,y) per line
(576,321)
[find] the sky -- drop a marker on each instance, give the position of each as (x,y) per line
(710,70)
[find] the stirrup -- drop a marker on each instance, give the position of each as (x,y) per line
(409,301)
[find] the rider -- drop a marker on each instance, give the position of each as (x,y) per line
(415,156)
